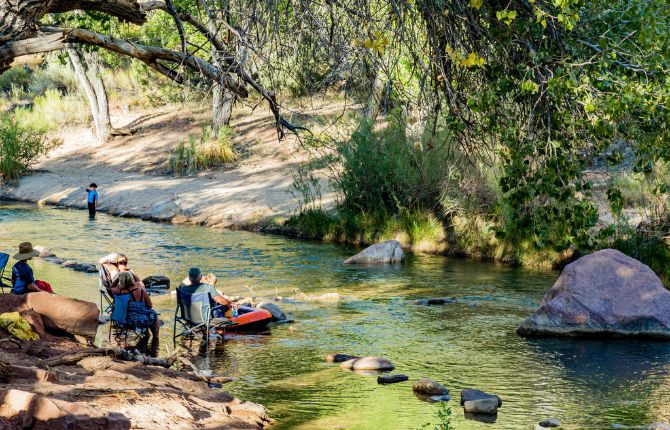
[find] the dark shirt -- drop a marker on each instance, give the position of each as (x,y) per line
(22,276)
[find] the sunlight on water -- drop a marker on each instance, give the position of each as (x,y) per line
(472,343)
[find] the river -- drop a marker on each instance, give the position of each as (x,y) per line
(471,343)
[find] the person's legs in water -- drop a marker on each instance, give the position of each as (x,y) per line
(91,210)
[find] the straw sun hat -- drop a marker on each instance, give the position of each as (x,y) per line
(26,251)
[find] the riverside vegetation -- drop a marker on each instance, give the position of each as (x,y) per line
(522,131)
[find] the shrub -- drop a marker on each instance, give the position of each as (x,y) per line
(53,110)
(194,156)
(18,77)
(20,146)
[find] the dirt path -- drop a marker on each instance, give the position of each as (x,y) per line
(131,171)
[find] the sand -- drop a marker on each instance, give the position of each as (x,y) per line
(131,171)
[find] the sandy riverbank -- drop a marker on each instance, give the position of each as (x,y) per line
(131,171)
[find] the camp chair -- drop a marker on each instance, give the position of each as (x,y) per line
(194,315)
(119,329)
(105,285)
(4,258)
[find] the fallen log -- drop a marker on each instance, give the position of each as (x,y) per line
(118,353)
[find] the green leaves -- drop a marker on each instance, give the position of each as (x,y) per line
(506,16)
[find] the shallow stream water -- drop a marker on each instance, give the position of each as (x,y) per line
(587,384)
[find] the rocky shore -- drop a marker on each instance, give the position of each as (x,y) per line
(57,382)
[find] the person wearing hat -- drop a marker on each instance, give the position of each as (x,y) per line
(194,284)
(23,280)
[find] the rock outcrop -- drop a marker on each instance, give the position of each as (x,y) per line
(22,409)
(384,252)
(604,293)
(73,316)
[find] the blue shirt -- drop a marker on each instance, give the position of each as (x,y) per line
(92,196)
(22,276)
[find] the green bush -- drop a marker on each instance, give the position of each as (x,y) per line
(18,77)
(20,146)
(194,156)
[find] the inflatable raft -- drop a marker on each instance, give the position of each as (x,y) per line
(249,319)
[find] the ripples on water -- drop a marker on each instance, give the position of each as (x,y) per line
(586,383)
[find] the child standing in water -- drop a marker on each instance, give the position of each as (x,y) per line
(92,198)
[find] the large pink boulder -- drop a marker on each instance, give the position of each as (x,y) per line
(71,315)
(24,410)
(605,293)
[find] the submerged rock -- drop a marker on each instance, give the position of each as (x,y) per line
(44,252)
(339,358)
(549,423)
(391,379)
(368,363)
(384,252)
(428,386)
(605,293)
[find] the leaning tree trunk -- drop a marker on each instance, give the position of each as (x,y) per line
(222,107)
(94,87)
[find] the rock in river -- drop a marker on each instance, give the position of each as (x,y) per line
(472,394)
(368,363)
(428,386)
(164,211)
(604,293)
(549,423)
(391,379)
(339,358)
(487,406)
(384,252)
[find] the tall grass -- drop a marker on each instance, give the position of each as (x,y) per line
(20,147)
(196,155)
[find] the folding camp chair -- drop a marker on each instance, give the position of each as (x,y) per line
(4,258)
(194,316)
(106,298)
(119,329)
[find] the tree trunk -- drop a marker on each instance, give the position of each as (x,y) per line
(222,108)
(94,88)
(378,97)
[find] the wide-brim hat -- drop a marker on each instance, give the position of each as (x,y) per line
(26,251)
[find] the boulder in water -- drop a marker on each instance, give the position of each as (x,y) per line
(428,386)
(384,252)
(605,293)
(472,394)
(164,211)
(157,281)
(486,406)
(339,358)
(44,252)
(277,314)
(368,363)
(549,423)
(391,379)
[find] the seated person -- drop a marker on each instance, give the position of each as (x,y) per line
(140,308)
(23,280)
(194,284)
(114,265)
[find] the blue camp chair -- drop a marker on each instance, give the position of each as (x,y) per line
(4,258)
(119,329)
(193,315)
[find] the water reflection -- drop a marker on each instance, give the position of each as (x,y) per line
(584,383)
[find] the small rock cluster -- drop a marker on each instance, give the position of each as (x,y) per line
(475,403)
(47,255)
